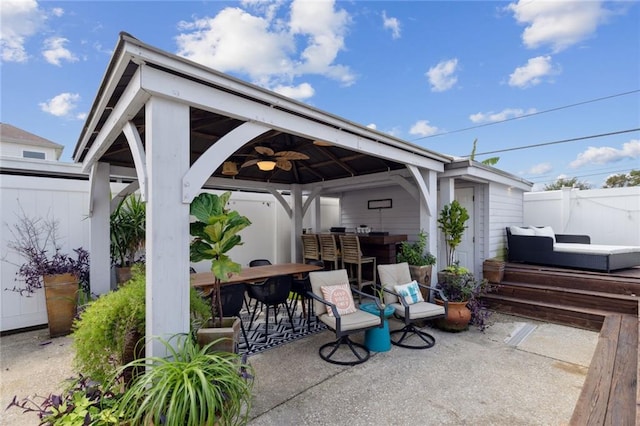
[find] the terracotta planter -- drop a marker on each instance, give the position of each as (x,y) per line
(493,270)
(422,274)
(230,330)
(61,293)
(457,319)
(123,274)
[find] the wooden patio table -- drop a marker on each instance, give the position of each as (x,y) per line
(205,280)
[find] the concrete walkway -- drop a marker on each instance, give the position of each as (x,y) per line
(519,372)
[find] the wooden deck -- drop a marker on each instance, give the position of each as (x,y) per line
(609,303)
(571,297)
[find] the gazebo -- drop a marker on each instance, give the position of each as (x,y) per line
(174,127)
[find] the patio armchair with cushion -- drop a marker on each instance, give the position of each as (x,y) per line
(404,295)
(335,307)
(542,246)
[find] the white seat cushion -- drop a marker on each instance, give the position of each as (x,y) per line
(545,231)
(594,248)
(419,310)
(358,319)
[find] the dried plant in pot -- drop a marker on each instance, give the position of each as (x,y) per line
(64,277)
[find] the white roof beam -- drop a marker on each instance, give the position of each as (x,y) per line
(131,101)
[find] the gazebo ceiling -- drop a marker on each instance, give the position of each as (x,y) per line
(325,162)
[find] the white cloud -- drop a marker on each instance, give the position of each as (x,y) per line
(559,24)
(441,77)
(533,72)
(299,92)
(372,126)
(540,169)
(20,20)
(391,24)
(61,105)
(505,114)
(265,47)
(607,154)
(422,128)
(54,51)
(57,12)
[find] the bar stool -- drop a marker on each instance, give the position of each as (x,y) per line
(352,255)
(310,249)
(329,250)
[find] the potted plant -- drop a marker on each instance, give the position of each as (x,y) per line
(452,224)
(419,259)
(215,232)
(463,292)
(65,278)
(493,270)
(128,233)
(192,386)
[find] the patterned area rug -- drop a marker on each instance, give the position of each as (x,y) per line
(279,333)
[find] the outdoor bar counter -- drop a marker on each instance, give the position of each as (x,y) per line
(383,247)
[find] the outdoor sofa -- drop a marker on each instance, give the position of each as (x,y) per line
(541,246)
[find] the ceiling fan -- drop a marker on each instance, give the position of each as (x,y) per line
(268,159)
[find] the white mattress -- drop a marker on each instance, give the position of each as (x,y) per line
(594,248)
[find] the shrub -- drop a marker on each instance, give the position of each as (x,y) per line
(108,332)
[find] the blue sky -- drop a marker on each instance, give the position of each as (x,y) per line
(438,74)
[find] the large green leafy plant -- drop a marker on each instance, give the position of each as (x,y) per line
(215,232)
(452,224)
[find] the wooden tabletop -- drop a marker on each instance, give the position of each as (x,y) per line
(255,273)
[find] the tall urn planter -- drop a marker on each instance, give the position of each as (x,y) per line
(61,293)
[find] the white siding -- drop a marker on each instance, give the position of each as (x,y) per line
(505,209)
(402,218)
(9,149)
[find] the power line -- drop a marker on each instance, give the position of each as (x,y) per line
(619,132)
(530,114)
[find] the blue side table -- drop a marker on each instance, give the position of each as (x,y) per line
(378,339)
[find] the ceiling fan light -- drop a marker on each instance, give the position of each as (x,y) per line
(322,143)
(266,165)
(229,168)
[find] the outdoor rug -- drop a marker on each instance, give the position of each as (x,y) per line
(279,333)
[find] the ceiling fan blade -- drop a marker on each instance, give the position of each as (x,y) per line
(250,163)
(284,164)
(264,150)
(292,155)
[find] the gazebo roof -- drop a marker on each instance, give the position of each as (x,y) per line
(328,159)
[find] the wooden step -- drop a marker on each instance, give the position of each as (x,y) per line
(628,284)
(617,303)
(590,319)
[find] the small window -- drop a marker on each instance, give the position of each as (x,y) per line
(33,154)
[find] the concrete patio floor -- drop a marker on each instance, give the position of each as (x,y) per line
(467,378)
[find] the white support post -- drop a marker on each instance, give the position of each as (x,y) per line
(167,245)
(100,265)
(317,219)
(296,223)
(429,221)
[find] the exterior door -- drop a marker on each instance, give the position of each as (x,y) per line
(465,252)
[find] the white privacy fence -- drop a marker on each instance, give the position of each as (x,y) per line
(609,216)
(67,201)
